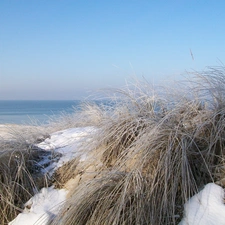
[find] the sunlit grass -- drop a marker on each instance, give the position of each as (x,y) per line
(153,150)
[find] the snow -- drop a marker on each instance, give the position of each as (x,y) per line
(205,208)
(65,138)
(66,143)
(41,207)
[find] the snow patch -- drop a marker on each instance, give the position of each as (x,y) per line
(66,144)
(205,208)
(64,138)
(41,207)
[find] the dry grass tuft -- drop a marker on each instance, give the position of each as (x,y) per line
(66,172)
(153,150)
(20,174)
(156,151)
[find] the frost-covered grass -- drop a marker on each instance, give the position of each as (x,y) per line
(146,156)
(156,152)
(20,176)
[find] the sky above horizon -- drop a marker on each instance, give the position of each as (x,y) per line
(70,49)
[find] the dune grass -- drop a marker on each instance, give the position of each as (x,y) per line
(156,152)
(20,171)
(22,175)
(153,150)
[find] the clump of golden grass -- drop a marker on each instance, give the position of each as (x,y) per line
(20,173)
(65,173)
(156,152)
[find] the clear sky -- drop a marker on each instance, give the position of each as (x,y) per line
(62,49)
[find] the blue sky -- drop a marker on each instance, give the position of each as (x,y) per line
(56,49)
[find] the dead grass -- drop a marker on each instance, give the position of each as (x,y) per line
(153,151)
(20,173)
(156,152)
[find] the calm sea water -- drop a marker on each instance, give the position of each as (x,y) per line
(24,112)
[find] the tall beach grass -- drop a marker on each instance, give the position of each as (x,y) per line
(156,151)
(20,172)
(152,151)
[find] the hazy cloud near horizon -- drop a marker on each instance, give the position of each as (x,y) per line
(70,49)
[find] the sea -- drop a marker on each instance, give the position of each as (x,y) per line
(29,111)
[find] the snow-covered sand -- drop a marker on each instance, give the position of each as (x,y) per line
(66,143)
(45,204)
(205,208)
(41,207)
